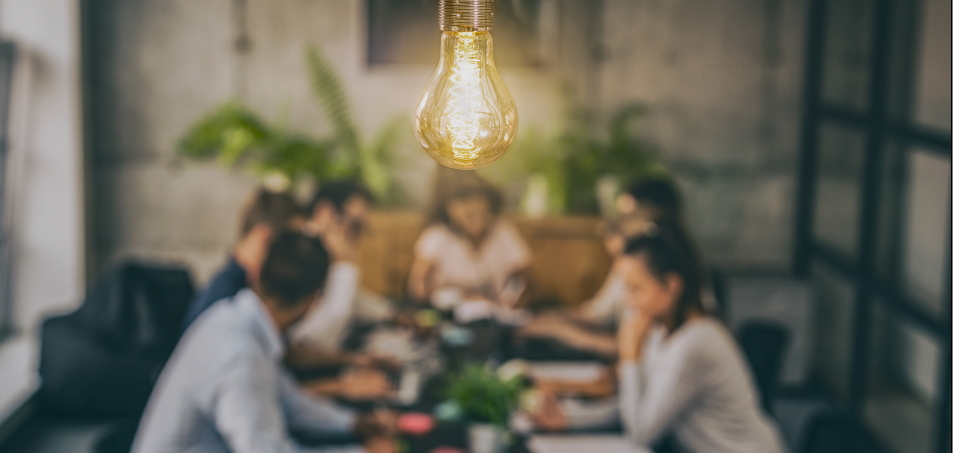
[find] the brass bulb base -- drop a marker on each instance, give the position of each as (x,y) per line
(466,15)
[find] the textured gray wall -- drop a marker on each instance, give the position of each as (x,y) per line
(722,84)
(720,81)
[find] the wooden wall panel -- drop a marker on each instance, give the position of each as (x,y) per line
(569,263)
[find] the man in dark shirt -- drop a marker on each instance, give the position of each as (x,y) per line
(267,213)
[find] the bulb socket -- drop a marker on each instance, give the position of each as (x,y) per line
(466,15)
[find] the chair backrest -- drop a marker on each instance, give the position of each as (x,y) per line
(765,345)
(137,307)
(835,431)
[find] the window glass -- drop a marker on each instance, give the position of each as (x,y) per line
(839,173)
(925,246)
(847,52)
(833,330)
(933,94)
(901,383)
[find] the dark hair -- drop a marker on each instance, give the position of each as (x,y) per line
(461,184)
(660,195)
(338,192)
(668,249)
(296,267)
(274,209)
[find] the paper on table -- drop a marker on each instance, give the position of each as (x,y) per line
(582,443)
(580,371)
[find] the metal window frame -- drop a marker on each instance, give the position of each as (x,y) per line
(879,128)
(8,55)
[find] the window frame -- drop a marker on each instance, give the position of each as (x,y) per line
(880,129)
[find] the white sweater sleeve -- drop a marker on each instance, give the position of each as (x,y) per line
(650,399)
(324,325)
(603,306)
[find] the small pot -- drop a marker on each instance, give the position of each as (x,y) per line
(485,438)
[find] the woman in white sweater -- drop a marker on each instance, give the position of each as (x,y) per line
(680,371)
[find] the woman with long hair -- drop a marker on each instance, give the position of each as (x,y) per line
(680,371)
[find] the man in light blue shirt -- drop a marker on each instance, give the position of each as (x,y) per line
(224,389)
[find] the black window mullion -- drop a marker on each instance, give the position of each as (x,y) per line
(807,167)
(867,238)
(895,301)
(941,418)
(930,139)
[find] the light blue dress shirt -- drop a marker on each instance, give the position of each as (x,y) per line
(224,389)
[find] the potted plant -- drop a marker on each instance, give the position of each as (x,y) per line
(234,135)
(487,401)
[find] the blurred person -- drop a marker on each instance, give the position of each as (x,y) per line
(466,248)
(339,214)
(654,197)
(590,327)
(680,370)
(265,213)
(224,389)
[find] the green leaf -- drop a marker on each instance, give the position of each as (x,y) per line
(330,92)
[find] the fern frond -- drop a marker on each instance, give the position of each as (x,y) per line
(330,92)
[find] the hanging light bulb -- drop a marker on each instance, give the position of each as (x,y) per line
(466,119)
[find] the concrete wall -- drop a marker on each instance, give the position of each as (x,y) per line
(720,81)
(46,159)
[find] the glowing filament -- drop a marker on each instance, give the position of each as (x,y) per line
(465,97)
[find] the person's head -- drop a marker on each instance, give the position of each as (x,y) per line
(294,271)
(663,274)
(266,213)
(272,211)
(656,197)
(343,201)
(468,205)
(615,232)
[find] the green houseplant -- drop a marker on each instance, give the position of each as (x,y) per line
(572,165)
(484,396)
(234,135)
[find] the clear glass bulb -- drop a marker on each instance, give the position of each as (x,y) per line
(466,119)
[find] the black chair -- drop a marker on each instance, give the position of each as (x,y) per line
(765,345)
(835,431)
(102,360)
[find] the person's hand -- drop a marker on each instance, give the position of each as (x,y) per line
(545,326)
(632,332)
(365,384)
(550,416)
(251,250)
(339,244)
(380,444)
(377,424)
(369,360)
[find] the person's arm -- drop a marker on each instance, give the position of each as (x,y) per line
(558,328)
(418,282)
(225,284)
(649,400)
(324,326)
(365,384)
(602,307)
(602,344)
(603,386)
(314,414)
(246,409)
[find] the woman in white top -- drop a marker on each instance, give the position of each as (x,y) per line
(680,371)
(467,247)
